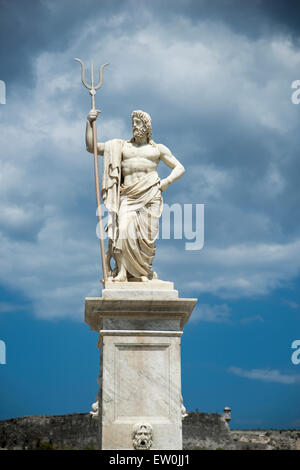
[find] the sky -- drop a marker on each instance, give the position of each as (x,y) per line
(216,78)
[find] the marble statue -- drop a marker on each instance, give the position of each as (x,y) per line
(132,193)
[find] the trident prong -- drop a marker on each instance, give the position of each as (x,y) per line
(91,87)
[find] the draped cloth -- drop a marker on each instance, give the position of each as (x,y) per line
(134,213)
(111,184)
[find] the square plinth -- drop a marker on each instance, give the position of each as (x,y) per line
(140,398)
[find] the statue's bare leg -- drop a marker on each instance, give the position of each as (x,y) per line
(122,273)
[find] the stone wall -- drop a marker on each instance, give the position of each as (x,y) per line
(205,431)
(75,431)
(266,439)
(201,431)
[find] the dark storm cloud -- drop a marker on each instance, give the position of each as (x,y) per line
(216,82)
(31,26)
(253,18)
(28,27)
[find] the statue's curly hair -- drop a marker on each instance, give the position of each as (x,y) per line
(145,117)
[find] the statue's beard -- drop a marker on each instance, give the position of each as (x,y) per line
(139,134)
(142,442)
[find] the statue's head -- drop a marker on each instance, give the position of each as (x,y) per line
(141,126)
(142,435)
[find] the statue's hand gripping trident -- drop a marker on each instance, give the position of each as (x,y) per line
(93,89)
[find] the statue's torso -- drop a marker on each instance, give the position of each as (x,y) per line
(137,161)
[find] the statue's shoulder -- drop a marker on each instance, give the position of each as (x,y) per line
(115,141)
(163,149)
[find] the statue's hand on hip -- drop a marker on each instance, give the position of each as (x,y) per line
(164,184)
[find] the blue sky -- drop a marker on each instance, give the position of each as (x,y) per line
(216,79)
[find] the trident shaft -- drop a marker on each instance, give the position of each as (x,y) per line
(93,89)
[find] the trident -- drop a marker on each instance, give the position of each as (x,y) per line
(93,89)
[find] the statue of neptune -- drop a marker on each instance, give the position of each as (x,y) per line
(131,192)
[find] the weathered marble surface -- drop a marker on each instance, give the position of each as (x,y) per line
(139,340)
(141,385)
(98,308)
(157,300)
(151,290)
(155,284)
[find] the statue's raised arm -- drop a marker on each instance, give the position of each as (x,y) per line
(92,116)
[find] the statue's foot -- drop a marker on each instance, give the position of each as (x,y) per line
(121,277)
(144,279)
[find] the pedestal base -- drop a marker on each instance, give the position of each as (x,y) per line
(140,402)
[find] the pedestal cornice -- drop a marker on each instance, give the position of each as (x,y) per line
(97,309)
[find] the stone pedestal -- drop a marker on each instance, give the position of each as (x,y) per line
(140,327)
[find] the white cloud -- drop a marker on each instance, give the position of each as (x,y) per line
(292,304)
(6,307)
(46,182)
(205,66)
(211,313)
(266,375)
(234,271)
(255,318)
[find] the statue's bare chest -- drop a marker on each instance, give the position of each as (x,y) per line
(143,152)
